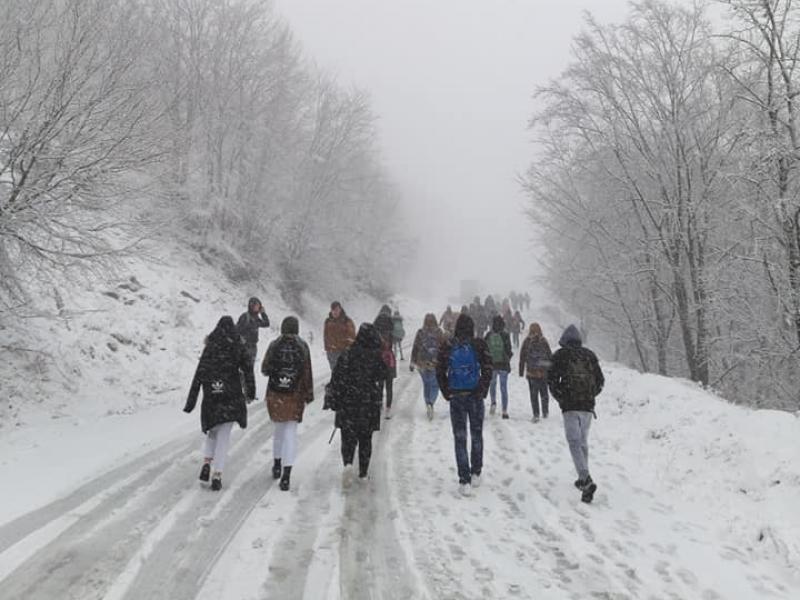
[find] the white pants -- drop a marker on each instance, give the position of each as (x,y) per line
(284,442)
(216,445)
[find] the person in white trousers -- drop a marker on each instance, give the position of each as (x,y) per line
(223,366)
(291,386)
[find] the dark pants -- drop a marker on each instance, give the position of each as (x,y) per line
(463,409)
(361,438)
(538,388)
(515,338)
(388,383)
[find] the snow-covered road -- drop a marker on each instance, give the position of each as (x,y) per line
(679,513)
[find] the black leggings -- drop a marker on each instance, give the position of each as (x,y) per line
(387,383)
(362,439)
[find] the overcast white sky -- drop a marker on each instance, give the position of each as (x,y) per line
(452,84)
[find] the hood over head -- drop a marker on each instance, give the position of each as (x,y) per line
(290,326)
(571,337)
(465,327)
(368,337)
(225,329)
(385,310)
(498,324)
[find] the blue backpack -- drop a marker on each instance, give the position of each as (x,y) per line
(463,371)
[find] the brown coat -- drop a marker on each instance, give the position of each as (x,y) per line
(339,333)
(290,406)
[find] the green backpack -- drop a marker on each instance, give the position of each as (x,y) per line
(497,348)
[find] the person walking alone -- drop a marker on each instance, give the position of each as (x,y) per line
(224,365)
(424,353)
(575,380)
(339,333)
(287,363)
(499,344)
(464,372)
(534,362)
(248,325)
(516,326)
(356,399)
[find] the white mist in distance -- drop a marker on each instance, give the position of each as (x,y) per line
(451,83)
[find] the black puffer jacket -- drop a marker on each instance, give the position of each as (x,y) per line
(219,375)
(564,389)
(355,387)
(464,333)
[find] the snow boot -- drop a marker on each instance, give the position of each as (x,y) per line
(287,473)
(205,472)
(588,491)
(505,415)
(276,468)
(582,483)
(216,482)
(476,480)
(388,412)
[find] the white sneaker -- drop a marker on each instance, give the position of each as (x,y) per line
(348,475)
(430,412)
(476,481)
(465,489)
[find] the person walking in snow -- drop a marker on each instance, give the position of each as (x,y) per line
(534,362)
(356,398)
(339,333)
(424,353)
(287,363)
(464,372)
(575,380)
(248,325)
(516,326)
(224,365)
(499,344)
(398,333)
(448,321)
(385,327)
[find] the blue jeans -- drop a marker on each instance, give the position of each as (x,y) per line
(463,408)
(503,377)
(430,386)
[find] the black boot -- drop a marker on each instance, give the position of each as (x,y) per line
(205,472)
(276,468)
(287,473)
(216,483)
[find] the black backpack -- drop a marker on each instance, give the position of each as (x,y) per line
(286,366)
(580,379)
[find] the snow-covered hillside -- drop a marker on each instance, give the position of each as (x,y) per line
(697,497)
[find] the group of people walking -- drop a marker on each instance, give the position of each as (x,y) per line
(452,354)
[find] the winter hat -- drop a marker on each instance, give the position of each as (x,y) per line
(535,330)
(290,326)
(571,337)
(465,327)
(368,337)
(252,302)
(498,324)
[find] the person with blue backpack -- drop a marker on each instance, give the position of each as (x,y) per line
(499,344)
(424,353)
(464,372)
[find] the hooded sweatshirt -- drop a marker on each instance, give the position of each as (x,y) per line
(571,356)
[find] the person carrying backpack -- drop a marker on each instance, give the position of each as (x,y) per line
(464,372)
(534,362)
(248,325)
(223,366)
(424,353)
(287,363)
(398,333)
(356,398)
(385,327)
(575,379)
(339,333)
(499,344)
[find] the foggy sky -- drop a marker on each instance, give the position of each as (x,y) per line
(452,84)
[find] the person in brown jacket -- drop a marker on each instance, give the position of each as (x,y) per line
(340,333)
(291,386)
(534,361)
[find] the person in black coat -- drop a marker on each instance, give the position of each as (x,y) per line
(385,328)
(355,391)
(223,366)
(248,325)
